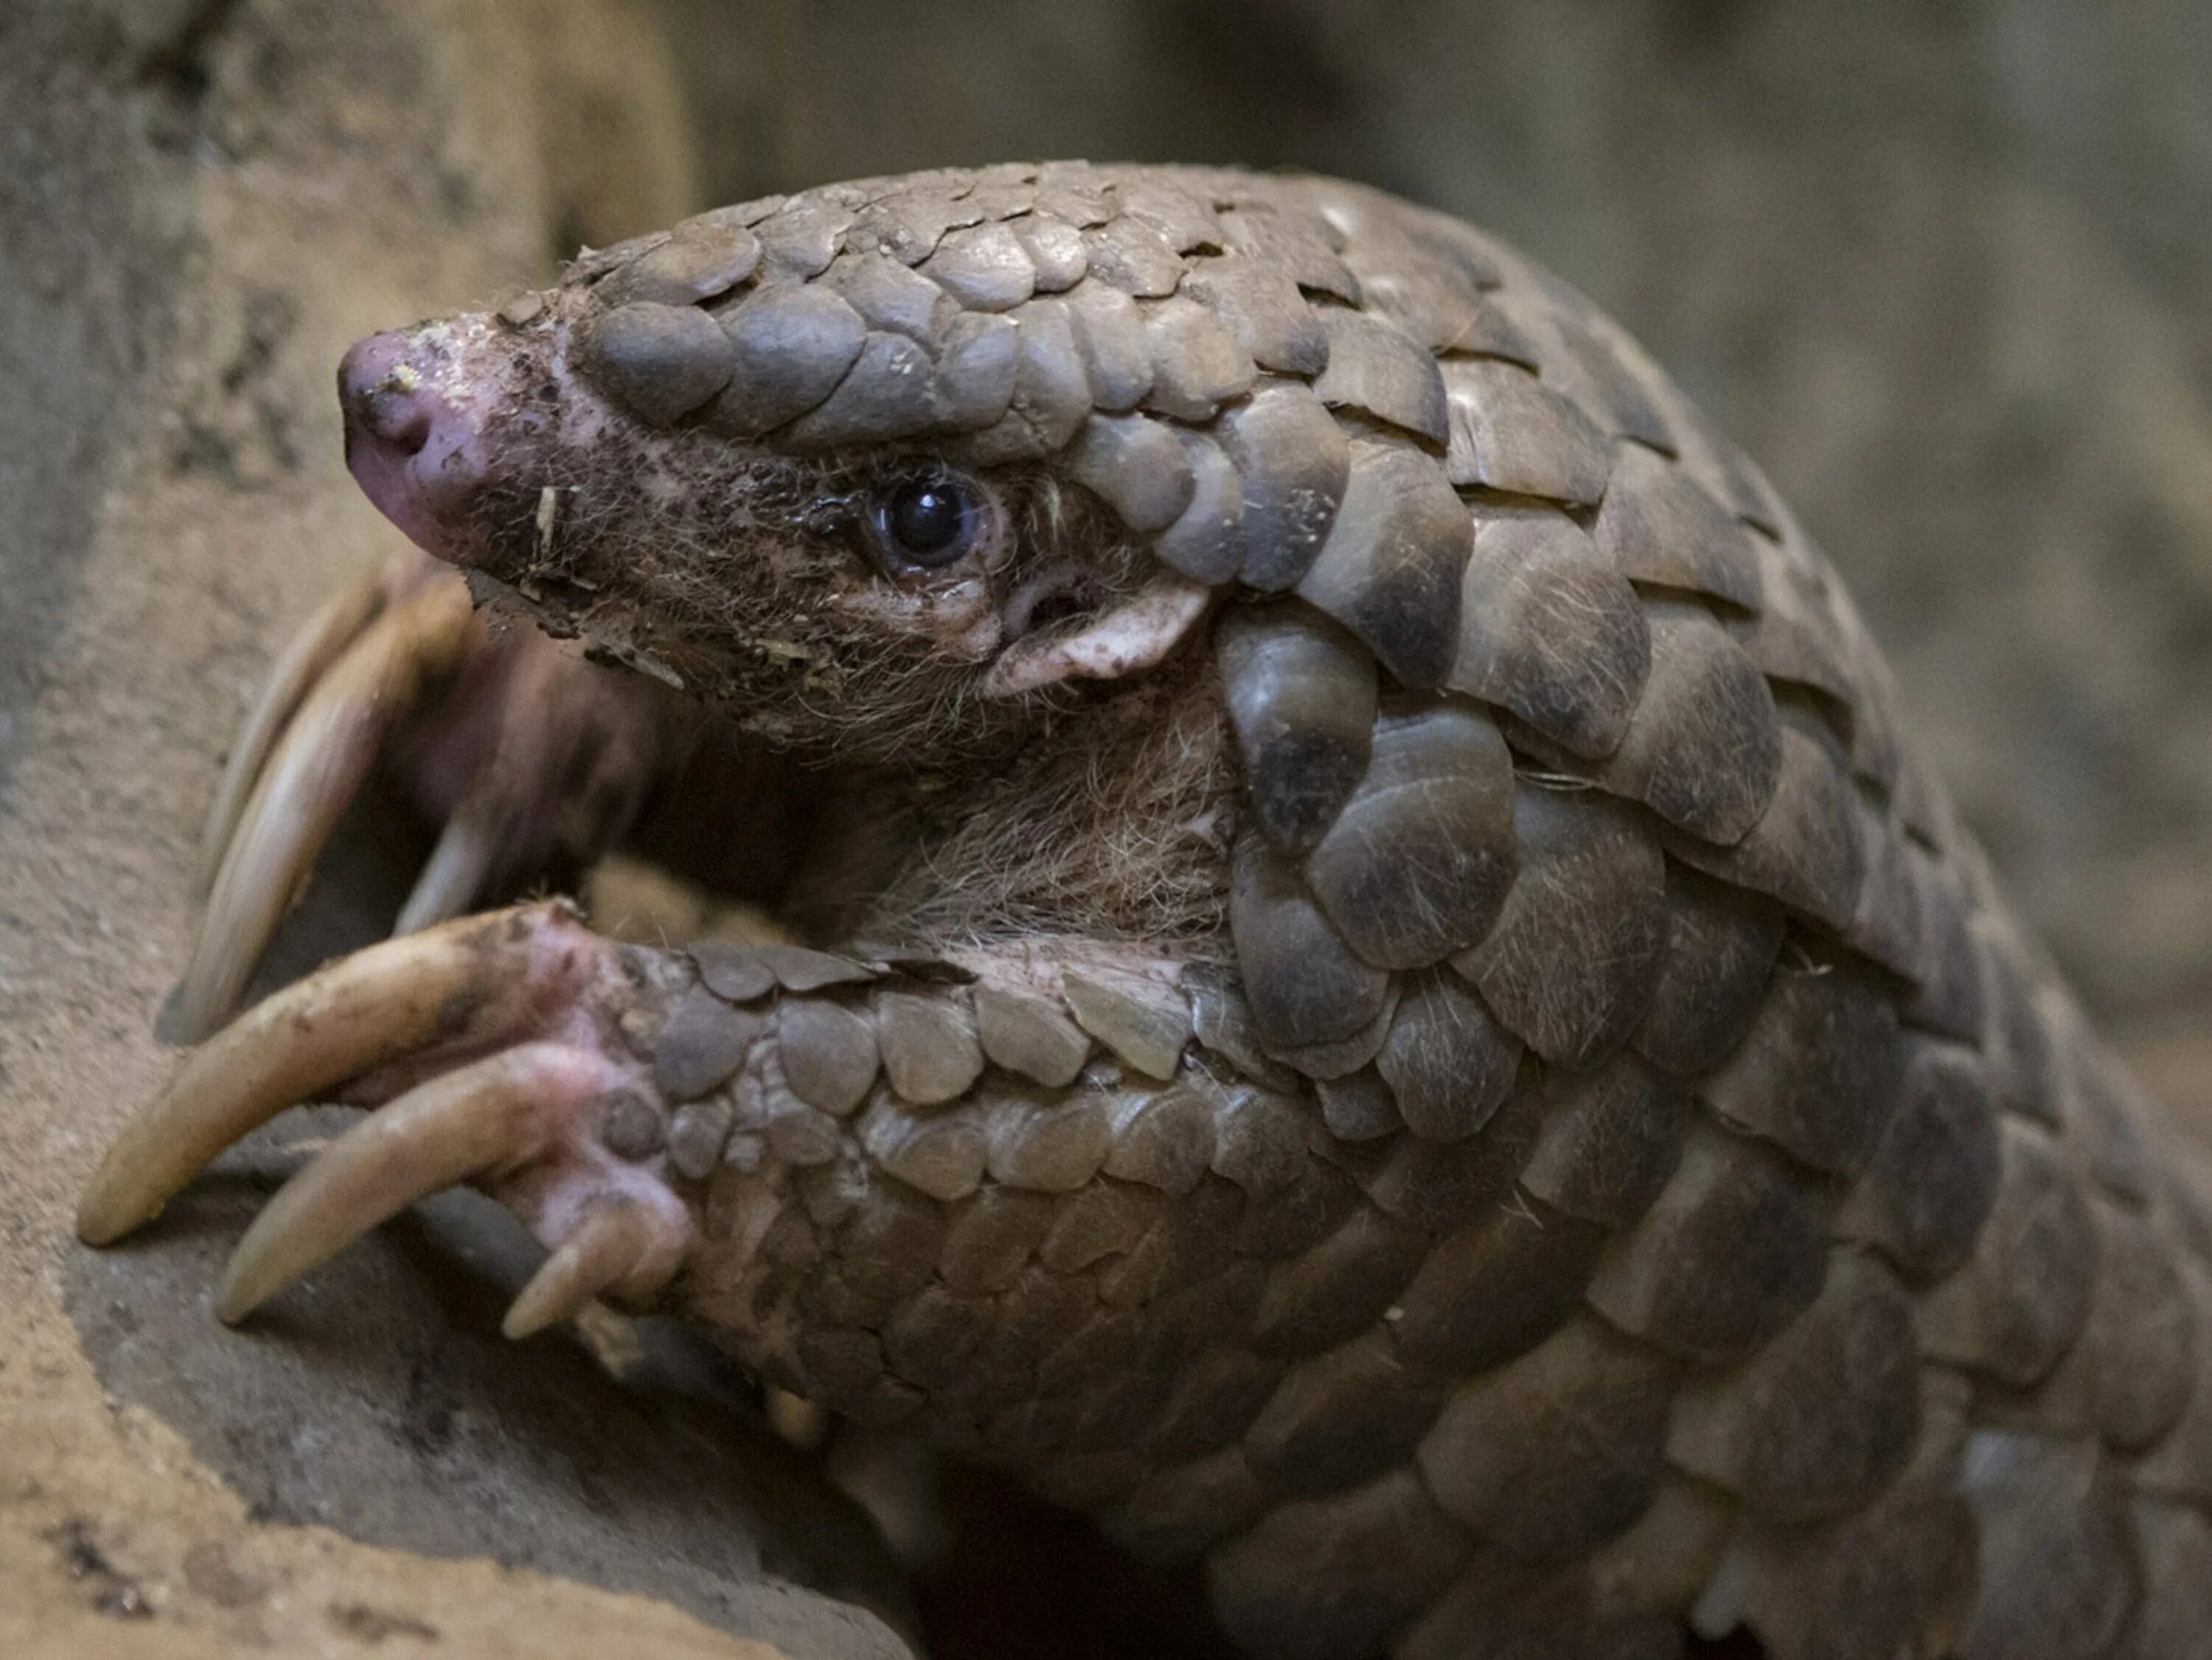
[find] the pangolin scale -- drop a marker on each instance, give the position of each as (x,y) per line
(1386,1000)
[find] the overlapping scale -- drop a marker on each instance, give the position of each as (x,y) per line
(1697,1047)
(1420,856)
(1549,630)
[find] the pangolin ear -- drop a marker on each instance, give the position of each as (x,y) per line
(1134,636)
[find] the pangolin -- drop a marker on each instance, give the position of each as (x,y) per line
(1386,1002)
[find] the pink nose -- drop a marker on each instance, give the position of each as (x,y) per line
(388,406)
(402,434)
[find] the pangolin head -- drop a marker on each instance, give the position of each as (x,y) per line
(907,467)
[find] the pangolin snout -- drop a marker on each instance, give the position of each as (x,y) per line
(387,400)
(409,441)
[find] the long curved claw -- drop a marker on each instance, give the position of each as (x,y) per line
(456,873)
(318,766)
(482,1118)
(361,1012)
(610,1245)
(503,1049)
(560,768)
(305,660)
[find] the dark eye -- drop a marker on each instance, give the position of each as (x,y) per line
(929,521)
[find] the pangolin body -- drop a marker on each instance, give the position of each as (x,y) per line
(1400,1012)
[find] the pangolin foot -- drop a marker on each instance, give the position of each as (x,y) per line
(521,753)
(506,1050)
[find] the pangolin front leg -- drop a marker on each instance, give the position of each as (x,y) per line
(498,1050)
(1404,1017)
(524,755)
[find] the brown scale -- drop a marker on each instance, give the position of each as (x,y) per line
(2128,1379)
(1490,1289)
(1806,849)
(2016,1306)
(1447,1060)
(2173,1546)
(1932,1174)
(1616,1603)
(1510,434)
(1819,1071)
(1574,953)
(1340,1574)
(1390,568)
(1420,857)
(1551,630)
(1110,337)
(1293,464)
(2057,1561)
(1703,749)
(1727,1255)
(1558,1450)
(1334,1421)
(1610,1139)
(1822,1419)
(1615,1170)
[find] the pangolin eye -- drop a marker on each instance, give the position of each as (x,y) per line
(930,520)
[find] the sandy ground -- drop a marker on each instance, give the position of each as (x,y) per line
(246,203)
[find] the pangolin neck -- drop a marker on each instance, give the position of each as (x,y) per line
(1114,825)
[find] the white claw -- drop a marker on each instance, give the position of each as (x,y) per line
(458,869)
(318,767)
(487,1117)
(361,1012)
(303,660)
(603,1253)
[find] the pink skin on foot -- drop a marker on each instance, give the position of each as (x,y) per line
(492,1052)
